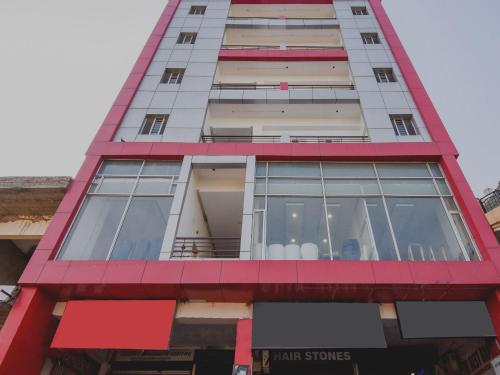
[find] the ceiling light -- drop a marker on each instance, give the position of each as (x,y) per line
(325,240)
(292,240)
(330,216)
(294,215)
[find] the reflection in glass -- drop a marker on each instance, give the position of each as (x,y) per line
(121,167)
(294,186)
(422,229)
(348,170)
(296,228)
(161,168)
(408,187)
(115,185)
(153,185)
(141,234)
(402,170)
(294,169)
(351,187)
(94,228)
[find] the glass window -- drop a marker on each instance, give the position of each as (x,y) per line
(296,228)
(161,168)
(443,187)
(153,185)
(294,170)
(257,235)
(348,170)
(402,170)
(116,185)
(436,171)
(260,170)
(121,167)
(422,229)
(141,234)
(260,186)
(133,209)
(408,187)
(259,203)
(94,228)
(293,186)
(351,187)
(359,229)
(464,236)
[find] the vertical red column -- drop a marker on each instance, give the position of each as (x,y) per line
(26,334)
(243,349)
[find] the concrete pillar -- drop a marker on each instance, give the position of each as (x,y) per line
(243,348)
(27,332)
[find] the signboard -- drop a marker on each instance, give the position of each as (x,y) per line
(309,355)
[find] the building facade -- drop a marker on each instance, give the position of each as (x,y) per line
(491,207)
(272,192)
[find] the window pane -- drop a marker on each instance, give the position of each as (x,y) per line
(294,169)
(94,228)
(153,186)
(443,187)
(436,171)
(359,229)
(408,187)
(259,203)
(294,186)
(143,229)
(423,230)
(121,167)
(450,204)
(257,233)
(296,229)
(348,170)
(464,236)
(116,185)
(351,187)
(402,170)
(260,170)
(162,168)
(260,186)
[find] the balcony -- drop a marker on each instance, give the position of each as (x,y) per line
(238,37)
(260,75)
(491,207)
(273,123)
(206,247)
(211,219)
(279,11)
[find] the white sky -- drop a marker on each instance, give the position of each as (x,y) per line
(62,62)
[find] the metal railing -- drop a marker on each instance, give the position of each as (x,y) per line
(206,247)
(281,139)
(281,18)
(491,201)
(261,46)
(256,86)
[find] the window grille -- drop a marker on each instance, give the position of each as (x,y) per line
(403,125)
(154,125)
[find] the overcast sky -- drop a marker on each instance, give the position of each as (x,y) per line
(62,62)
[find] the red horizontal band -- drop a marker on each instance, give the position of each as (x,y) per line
(282,55)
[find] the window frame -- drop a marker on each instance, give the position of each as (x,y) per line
(187,38)
(441,196)
(370,38)
(160,129)
(406,123)
(93,190)
(384,75)
(173,76)
(359,11)
(197,10)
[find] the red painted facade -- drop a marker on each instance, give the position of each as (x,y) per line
(46,281)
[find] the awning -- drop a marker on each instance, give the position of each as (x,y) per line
(112,324)
(444,319)
(317,325)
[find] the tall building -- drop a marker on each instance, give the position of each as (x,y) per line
(272,192)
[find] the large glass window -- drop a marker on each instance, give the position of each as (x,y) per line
(357,211)
(125,213)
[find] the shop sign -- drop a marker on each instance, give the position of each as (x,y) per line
(310,356)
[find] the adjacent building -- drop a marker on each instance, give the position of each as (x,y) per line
(272,192)
(491,207)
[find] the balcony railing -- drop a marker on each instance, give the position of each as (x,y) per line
(491,201)
(282,139)
(256,86)
(281,18)
(262,46)
(206,247)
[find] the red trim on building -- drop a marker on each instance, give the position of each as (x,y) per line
(106,324)
(282,55)
(243,347)
(281,2)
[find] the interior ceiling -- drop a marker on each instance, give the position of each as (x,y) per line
(224,210)
(304,111)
